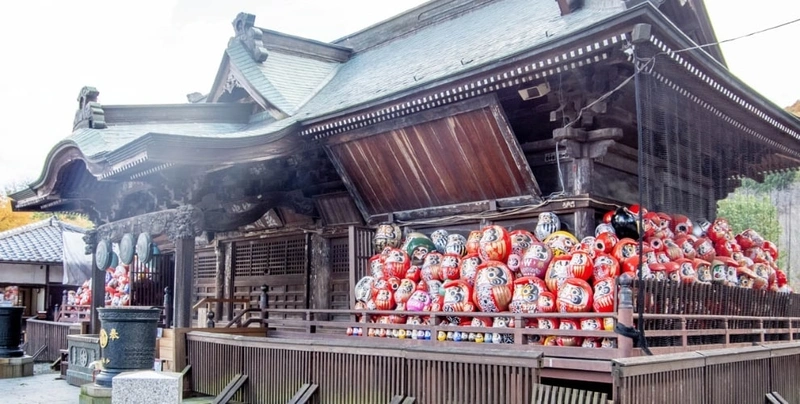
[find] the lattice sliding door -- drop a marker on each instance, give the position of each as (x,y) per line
(281,263)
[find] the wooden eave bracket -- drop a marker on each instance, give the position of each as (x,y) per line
(587,144)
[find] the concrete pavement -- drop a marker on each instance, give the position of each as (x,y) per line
(44,387)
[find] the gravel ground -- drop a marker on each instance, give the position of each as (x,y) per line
(42,368)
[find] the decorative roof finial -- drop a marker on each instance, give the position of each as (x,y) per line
(90,113)
(250,36)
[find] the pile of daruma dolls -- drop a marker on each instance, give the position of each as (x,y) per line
(549,270)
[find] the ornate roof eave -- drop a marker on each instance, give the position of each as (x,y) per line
(163,151)
(569,52)
(667,38)
(155,152)
(62,154)
(596,41)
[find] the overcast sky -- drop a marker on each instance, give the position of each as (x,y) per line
(157,51)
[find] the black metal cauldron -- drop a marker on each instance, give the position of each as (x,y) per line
(10,331)
(127,340)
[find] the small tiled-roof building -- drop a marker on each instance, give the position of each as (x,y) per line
(32,258)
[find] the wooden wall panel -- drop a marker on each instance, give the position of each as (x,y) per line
(459,154)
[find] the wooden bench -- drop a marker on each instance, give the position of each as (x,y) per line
(546,394)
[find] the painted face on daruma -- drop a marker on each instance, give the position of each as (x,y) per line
(376,267)
(439,238)
(432,267)
(521,240)
(526,294)
(364,289)
(546,302)
(605,266)
(457,297)
(493,286)
(495,244)
(387,235)
(456,244)
(575,295)
(547,224)
(604,296)
(561,242)
(450,266)
(420,300)
(536,260)
(397,263)
(474,241)
(703,269)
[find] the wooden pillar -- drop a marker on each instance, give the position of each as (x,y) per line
(219,275)
(47,287)
(184,227)
(98,282)
(184,268)
(584,223)
(229,286)
(320,274)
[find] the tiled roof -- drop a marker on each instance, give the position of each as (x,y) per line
(307,88)
(286,80)
(480,37)
(37,242)
(94,142)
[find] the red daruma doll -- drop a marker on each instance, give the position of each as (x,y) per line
(574,296)
(495,244)
(493,287)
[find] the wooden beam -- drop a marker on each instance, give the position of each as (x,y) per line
(228,392)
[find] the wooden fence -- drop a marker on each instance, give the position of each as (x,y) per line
(734,375)
(51,335)
(346,371)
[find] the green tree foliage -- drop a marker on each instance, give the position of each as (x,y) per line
(772,182)
(751,211)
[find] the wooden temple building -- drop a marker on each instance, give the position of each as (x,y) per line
(265,193)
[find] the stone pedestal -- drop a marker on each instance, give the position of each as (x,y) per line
(127,340)
(16,367)
(147,387)
(83,350)
(94,394)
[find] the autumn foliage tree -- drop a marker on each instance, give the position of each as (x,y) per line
(10,219)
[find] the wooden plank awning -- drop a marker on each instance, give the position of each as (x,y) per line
(451,155)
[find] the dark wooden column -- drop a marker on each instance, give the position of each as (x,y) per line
(229,286)
(98,282)
(219,274)
(584,146)
(182,232)
(184,273)
(320,276)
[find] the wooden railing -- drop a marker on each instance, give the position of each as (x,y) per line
(739,375)
(50,335)
(664,333)
(346,371)
(73,313)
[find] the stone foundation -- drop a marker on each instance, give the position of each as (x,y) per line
(94,394)
(16,367)
(83,350)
